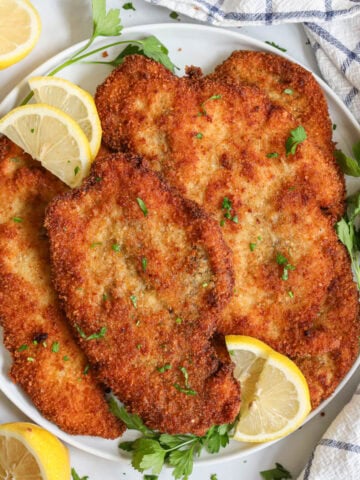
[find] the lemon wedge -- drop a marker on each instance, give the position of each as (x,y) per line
(275,394)
(30,452)
(72,100)
(52,137)
(20,28)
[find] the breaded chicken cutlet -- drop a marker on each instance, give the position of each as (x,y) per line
(146,273)
(224,147)
(47,363)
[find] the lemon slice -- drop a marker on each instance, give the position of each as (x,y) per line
(28,452)
(20,29)
(52,137)
(275,394)
(72,100)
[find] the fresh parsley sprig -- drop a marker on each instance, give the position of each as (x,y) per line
(154,449)
(349,233)
(349,166)
(277,473)
(76,476)
(108,24)
(297,136)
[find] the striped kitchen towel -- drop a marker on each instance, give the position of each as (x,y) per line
(337,455)
(333,28)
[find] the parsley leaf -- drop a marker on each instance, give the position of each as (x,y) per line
(75,476)
(154,449)
(297,136)
(106,24)
(283,261)
(349,234)
(277,473)
(349,166)
(98,335)
(142,206)
(129,6)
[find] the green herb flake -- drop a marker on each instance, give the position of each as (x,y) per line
(178,320)
(273,44)
(80,332)
(297,136)
(349,165)
(133,299)
(18,219)
(288,91)
(334,127)
(280,259)
(226,204)
(137,323)
(164,368)
(116,247)
(199,135)
(144,263)
(32,130)
(23,347)
(76,170)
(66,358)
(98,335)
(138,346)
(222,223)
(35,342)
(205,284)
(231,352)
(277,473)
(75,476)
(213,476)
(291,294)
(142,206)
(283,261)
(86,369)
(98,179)
(104,297)
(272,155)
(15,159)
(252,246)
(235,219)
(150,477)
(187,391)
(95,244)
(30,359)
(55,347)
(129,6)
(174,15)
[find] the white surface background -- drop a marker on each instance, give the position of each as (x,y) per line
(66,22)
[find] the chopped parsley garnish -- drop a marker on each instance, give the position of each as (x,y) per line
(18,219)
(277,473)
(187,391)
(22,348)
(129,6)
(133,299)
(334,126)
(205,284)
(104,297)
(76,170)
(349,166)
(32,130)
(252,246)
(116,247)
(75,476)
(227,206)
(86,369)
(288,91)
(281,260)
(213,97)
(199,135)
(142,206)
(55,347)
(297,136)
(30,359)
(178,320)
(291,294)
(154,449)
(275,45)
(150,477)
(144,263)
(272,155)
(165,367)
(98,179)
(174,15)
(66,358)
(95,244)
(138,346)
(94,336)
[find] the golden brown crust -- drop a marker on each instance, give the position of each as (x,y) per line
(29,310)
(282,204)
(99,238)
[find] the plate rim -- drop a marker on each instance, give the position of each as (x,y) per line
(257,45)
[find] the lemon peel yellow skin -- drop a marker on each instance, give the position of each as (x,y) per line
(52,137)
(73,100)
(17,43)
(29,451)
(275,394)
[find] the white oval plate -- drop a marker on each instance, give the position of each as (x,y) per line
(188,44)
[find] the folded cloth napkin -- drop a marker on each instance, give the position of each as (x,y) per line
(333,28)
(337,455)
